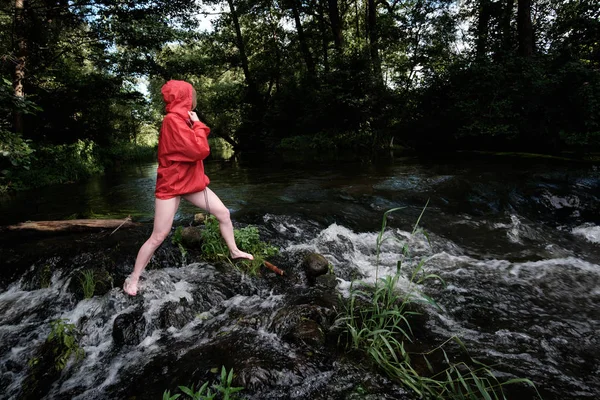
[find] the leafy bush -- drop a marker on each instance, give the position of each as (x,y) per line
(15,151)
(126,152)
(61,163)
(64,338)
(247,239)
(540,105)
(63,343)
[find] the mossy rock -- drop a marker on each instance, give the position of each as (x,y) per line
(315,264)
(191,237)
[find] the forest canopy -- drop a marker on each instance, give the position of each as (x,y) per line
(81,79)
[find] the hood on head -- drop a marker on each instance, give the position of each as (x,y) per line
(178,97)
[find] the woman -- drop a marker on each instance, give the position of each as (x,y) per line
(182,146)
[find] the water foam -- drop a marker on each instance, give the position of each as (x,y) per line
(590,232)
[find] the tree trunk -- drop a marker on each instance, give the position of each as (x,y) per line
(483,20)
(241,47)
(253,123)
(506,25)
(19,77)
(374,40)
(358,14)
(336,25)
(525,28)
(310,66)
(325,36)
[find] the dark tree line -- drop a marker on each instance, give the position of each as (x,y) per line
(312,74)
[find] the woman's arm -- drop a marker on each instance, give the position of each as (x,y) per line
(181,143)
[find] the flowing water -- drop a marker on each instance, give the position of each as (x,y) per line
(516,241)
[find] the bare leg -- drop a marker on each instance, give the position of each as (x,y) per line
(218,209)
(163,220)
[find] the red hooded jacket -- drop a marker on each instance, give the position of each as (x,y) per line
(182,145)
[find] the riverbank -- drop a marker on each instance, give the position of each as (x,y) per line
(58,164)
(84,159)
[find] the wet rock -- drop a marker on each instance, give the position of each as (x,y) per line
(175,314)
(191,237)
(129,328)
(315,265)
(13,366)
(309,332)
(304,324)
(168,255)
(326,282)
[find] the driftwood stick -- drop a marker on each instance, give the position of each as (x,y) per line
(273,268)
(128,219)
(70,225)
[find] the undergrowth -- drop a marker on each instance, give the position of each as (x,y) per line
(247,239)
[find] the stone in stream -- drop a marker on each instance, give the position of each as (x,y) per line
(175,314)
(309,332)
(191,237)
(315,265)
(129,328)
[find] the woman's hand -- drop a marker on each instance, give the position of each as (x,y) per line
(193,116)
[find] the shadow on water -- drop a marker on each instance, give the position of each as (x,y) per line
(516,240)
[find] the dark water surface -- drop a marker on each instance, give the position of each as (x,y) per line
(516,240)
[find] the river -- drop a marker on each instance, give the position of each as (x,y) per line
(516,240)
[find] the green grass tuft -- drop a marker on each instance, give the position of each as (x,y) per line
(88,283)
(247,239)
(223,388)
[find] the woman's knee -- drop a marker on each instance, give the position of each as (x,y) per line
(157,238)
(223,215)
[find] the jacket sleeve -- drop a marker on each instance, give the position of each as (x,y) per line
(182,143)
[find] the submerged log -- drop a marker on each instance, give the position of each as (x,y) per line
(71,225)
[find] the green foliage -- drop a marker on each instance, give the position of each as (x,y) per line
(60,164)
(126,152)
(45,276)
(218,390)
(247,239)
(63,341)
(177,240)
(377,322)
(167,395)
(213,245)
(531,105)
(88,283)
(318,142)
(15,151)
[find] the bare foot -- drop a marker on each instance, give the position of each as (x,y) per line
(130,286)
(236,255)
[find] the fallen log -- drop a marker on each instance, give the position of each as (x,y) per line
(71,225)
